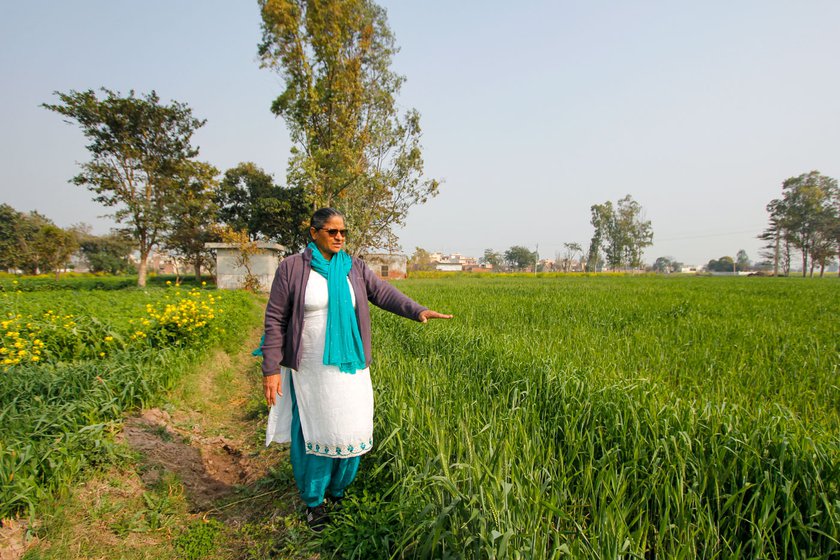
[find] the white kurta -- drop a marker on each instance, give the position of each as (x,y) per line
(336,408)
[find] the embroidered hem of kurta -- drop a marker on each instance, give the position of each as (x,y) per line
(350,450)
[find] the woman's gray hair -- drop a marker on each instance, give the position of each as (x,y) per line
(322,216)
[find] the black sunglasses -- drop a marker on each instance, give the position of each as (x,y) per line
(333,232)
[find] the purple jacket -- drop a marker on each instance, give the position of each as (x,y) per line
(284,311)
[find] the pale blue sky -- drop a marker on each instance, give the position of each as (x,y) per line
(531,111)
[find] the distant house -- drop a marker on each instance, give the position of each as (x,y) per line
(388,267)
(690,269)
(455,262)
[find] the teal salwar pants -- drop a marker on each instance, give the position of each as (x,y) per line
(317,476)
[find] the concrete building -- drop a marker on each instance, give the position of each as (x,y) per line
(231,273)
(455,262)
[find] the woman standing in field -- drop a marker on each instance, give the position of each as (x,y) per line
(316,358)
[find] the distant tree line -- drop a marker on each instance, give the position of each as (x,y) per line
(741,263)
(31,242)
(620,237)
(803,222)
(666,265)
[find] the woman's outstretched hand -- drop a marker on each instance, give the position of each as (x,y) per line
(272,387)
(429,314)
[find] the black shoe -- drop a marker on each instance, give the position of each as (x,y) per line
(317,517)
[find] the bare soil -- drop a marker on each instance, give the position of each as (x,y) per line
(13,542)
(209,467)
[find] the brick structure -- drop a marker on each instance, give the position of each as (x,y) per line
(388,267)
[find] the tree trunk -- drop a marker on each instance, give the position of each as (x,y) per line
(141,270)
(198,270)
(776,256)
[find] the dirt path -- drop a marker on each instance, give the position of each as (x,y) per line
(200,483)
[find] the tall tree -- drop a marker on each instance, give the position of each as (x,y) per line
(807,212)
(192,215)
(634,231)
(742,260)
(28,255)
(775,237)
(249,200)
(352,150)
(572,250)
(138,148)
(834,221)
(621,232)
(602,217)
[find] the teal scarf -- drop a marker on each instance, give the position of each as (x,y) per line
(343,347)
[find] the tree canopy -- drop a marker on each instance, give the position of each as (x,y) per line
(107,253)
(621,234)
(723,264)
(250,200)
(520,258)
(667,265)
(138,148)
(807,219)
(31,242)
(193,215)
(352,150)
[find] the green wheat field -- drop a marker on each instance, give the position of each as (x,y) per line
(605,418)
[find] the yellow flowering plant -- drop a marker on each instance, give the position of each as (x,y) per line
(173,317)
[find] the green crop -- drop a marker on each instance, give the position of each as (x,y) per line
(604,418)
